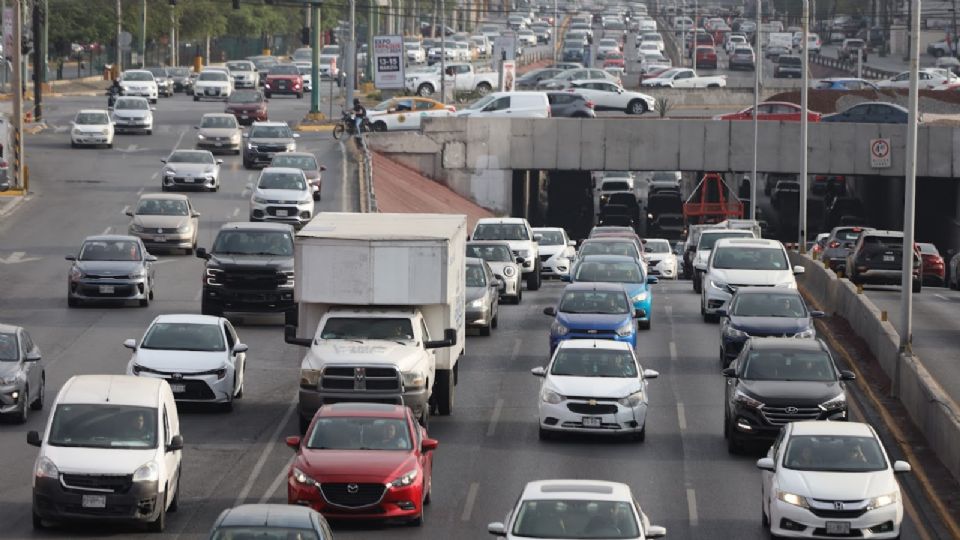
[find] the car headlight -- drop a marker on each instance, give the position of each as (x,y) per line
(718,284)
(211,277)
(10,379)
(625,329)
(883,500)
(509,271)
(632,400)
(792,498)
(525,253)
(186,227)
(76,132)
(259,199)
(249,146)
(414,380)
(559,329)
(309,377)
(307,200)
(148,472)
(201,137)
(404,480)
(136,228)
(838,402)
(549,396)
(476,303)
(808,333)
(137,274)
(46,469)
(640,296)
(792,284)
(301,478)
(76,273)
(291,147)
(747,401)
(732,332)
(169,172)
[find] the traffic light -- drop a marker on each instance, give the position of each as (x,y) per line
(305,35)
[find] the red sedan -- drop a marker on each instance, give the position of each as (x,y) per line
(706,57)
(614,60)
(772,110)
(931,265)
(363,461)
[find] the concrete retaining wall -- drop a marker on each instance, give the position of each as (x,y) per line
(930,408)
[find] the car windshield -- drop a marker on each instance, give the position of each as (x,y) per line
(264,63)
(609,272)
(284,70)
(708,239)
(615,185)
(110,250)
(8,347)
(330,49)
(597,302)
(490,253)
(92,119)
(476,277)
(359,433)
(769,305)
(270,132)
(245,96)
(138,76)
(263,533)
(277,180)
(179,72)
(501,231)
(928,249)
(219,122)
(240,66)
(788,365)
(162,207)
(276,243)
(550,238)
(665,177)
(213,76)
(577,362)
(158,71)
(576,518)
(411,46)
(625,247)
(132,104)
(306,163)
(749,258)
(481,103)
(656,246)
(360,328)
(304,69)
(184,337)
(103,426)
(191,157)
(834,453)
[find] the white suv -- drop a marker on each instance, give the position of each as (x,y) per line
(705,244)
(139,82)
(282,194)
(523,243)
(743,262)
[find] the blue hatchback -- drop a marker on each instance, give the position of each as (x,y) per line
(592,311)
(623,270)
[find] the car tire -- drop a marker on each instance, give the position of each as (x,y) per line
(303,424)
(72,302)
(209,308)
(544,435)
(642,435)
(37,404)
(175,503)
(24,414)
(267,95)
(149,132)
(734,446)
(37,521)
(379,126)
(196,97)
(247,164)
(917,287)
(636,107)
(158,525)
(764,520)
(645,325)
(144,302)
(485,330)
(425,90)
(444,391)
(73,144)
(697,283)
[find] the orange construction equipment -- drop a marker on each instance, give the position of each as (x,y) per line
(711,202)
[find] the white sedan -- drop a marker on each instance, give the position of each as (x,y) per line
(609,96)
(824,479)
(927,78)
(201,356)
(660,257)
(92,127)
(593,386)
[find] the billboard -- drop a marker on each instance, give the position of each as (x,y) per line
(388,57)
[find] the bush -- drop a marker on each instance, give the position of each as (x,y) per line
(663,106)
(466,96)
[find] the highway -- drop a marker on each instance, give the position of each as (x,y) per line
(682,475)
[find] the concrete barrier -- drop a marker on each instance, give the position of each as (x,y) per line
(714,97)
(930,408)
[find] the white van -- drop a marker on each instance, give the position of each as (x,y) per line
(111,452)
(509,105)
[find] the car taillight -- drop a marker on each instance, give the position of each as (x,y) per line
(571,90)
(451,108)
(589,104)
(834,244)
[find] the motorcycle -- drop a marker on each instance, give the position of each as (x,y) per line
(112,94)
(347,124)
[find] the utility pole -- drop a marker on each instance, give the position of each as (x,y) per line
(373,21)
(173,36)
(909,193)
(443,52)
(118,64)
(696,33)
(351,56)
(143,36)
(39,65)
(953,42)
(46,41)
(804,121)
(18,179)
(757,68)
(315,30)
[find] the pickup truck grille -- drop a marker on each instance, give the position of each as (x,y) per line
(252,279)
(361,379)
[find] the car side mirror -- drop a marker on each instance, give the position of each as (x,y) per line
(537,237)
(33,438)
(296,135)
(551,311)
(817,314)
(322,168)
(766,464)
(656,531)
(32,356)
(130,344)
(293,442)
(240,348)
(539,371)
(651,374)
(246,135)
(71,257)
(176,443)
(449,340)
(151,258)
(497,529)
(722,312)
(196,127)
(572,243)
(219,162)
(652,280)
(700,266)
(521,260)
(898,467)
(846,375)
(799,270)
(729,372)
(129,213)
(202,253)
(194,214)
(153,108)
(429,445)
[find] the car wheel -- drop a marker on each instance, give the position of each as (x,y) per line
(734,446)
(144,302)
(642,435)
(37,521)
(209,308)
(544,435)
(175,503)
(425,90)
(917,286)
(763,517)
(636,107)
(247,164)
(496,319)
(24,413)
(645,325)
(149,132)
(379,126)
(484,89)
(196,97)
(697,283)
(38,403)
(417,521)
(72,302)
(485,330)
(267,95)
(73,144)
(159,524)
(239,393)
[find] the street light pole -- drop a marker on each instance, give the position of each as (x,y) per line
(118,64)
(556,21)
(443,52)
(804,121)
(315,30)
(351,62)
(910,189)
(143,36)
(757,69)
(696,32)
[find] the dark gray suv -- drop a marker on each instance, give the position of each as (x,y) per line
(266,139)
(570,105)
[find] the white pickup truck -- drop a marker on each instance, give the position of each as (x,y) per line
(685,78)
(461,76)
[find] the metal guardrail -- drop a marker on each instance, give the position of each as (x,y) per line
(850,66)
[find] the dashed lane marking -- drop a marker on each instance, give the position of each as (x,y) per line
(471,500)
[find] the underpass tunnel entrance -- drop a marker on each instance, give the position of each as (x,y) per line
(569,202)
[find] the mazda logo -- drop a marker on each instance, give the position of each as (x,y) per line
(592,402)
(791,410)
(353,489)
(160,231)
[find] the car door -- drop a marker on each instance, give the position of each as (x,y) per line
(768,478)
(239,359)
(194,218)
(171,459)
(493,290)
(424,109)
(499,107)
(684,79)
(401,115)
(602,97)
(32,370)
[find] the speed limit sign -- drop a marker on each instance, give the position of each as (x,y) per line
(880,153)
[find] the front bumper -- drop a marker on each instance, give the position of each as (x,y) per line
(90,138)
(122,125)
(296,214)
(804,523)
(881,277)
(272,301)
(614,418)
(247,82)
(395,503)
(108,289)
(260,157)
(554,266)
(219,144)
(663,269)
(149,94)
(289,88)
(713,298)
(312,398)
(249,116)
(206,388)
(11,396)
(752,424)
(52,500)
(212,92)
(206,181)
(479,317)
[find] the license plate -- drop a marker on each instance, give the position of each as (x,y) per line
(591,421)
(94,501)
(159,238)
(244,117)
(178,388)
(106,289)
(838,527)
(191,180)
(219,144)
(888,258)
(282,213)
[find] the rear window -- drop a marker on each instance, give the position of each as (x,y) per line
(887,242)
(848,235)
(790,61)
(615,186)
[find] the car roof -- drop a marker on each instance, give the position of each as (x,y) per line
(9,328)
(371,410)
(577,489)
(109,237)
(607,344)
(101,111)
(549,229)
(190,150)
(489,243)
(111,389)
(288,170)
(164,197)
(826,427)
(295,154)
(474,261)
(216,114)
(272,124)
(502,220)
(609,237)
(780,344)
(783,291)
(187,318)
(593,286)
(879,232)
(270,515)
(262,226)
(609,258)
(749,242)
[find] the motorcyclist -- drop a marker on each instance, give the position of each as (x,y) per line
(359,115)
(113,92)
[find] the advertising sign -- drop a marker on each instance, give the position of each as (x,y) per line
(7,31)
(509,76)
(388,56)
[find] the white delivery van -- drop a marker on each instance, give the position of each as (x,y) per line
(111,452)
(509,105)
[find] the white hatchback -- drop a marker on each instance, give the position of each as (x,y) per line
(282,194)
(92,127)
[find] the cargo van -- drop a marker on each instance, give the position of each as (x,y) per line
(111,452)
(509,105)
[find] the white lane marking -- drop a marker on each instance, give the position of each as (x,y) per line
(516,349)
(180,139)
(681,417)
(139,192)
(495,417)
(17,257)
(673,351)
(692,507)
(275,485)
(246,191)
(236,211)
(471,499)
(267,449)
(251,177)
(669,310)
(155,175)
(942,297)
(107,230)
(343,178)
(125,210)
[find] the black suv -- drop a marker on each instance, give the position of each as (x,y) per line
(264,140)
(775,381)
(789,66)
(249,269)
(877,259)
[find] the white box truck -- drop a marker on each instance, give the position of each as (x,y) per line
(381,307)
